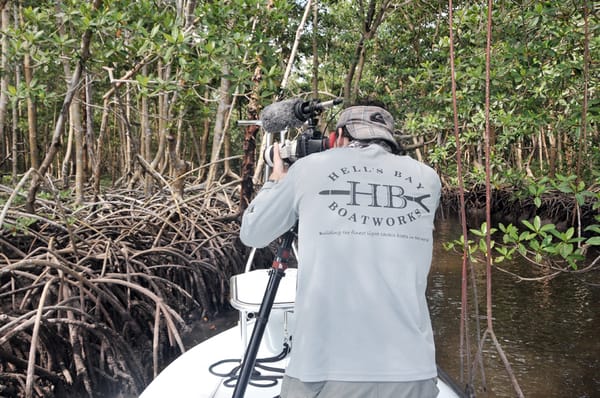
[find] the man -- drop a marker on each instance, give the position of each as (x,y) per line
(365,222)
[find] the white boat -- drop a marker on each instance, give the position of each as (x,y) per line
(204,371)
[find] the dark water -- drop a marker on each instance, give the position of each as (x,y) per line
(550,331)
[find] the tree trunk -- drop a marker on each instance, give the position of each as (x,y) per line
(519,154)
(5,24)
(79,147)
(299,32)
(163,101)
(583,141)
(204,148)
(34,155)
(76,134)
(100,143)
(189,13)
(372,18)
(221,117)
(351,71)
(15,140)
(65,170)
(89,131)
(146,134)
(315,38)
(551,153)
(15,109)
(74,117)
(248,162)
(229,172)
(60,122)
(128,143)
(359,71)
(179,168)
(106,97)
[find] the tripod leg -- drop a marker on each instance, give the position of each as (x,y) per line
(277,272)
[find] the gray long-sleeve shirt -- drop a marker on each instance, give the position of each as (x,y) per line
(365,246)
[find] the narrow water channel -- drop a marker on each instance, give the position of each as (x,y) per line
(550,331)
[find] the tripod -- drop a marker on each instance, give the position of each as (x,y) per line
(276,273)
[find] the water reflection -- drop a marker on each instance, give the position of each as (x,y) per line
(548,329)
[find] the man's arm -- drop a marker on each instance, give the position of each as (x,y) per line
(272,212)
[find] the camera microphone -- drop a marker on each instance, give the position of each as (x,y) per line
(281,115)
(292,113)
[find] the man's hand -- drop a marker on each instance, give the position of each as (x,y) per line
(279,169)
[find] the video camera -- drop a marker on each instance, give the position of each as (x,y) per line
(292,113)
(290,151)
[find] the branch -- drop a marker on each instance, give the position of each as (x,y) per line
(288,69)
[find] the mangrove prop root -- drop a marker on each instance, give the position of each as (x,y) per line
(89,294)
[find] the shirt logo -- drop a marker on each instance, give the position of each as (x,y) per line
(355,196)
(380,195)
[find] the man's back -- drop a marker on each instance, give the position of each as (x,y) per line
(365,242)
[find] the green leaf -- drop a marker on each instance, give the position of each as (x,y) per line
(155,30)
(482,246)
(169,54)
(593,241)
(538,258)
(547,227)
(477,232)
(210,47)
(526,235)
(593,228)
(537,222)
(528,225)
(565,250)
(569,233)
(535,245)
(547,240)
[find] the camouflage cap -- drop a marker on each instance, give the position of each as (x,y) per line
(368,123)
